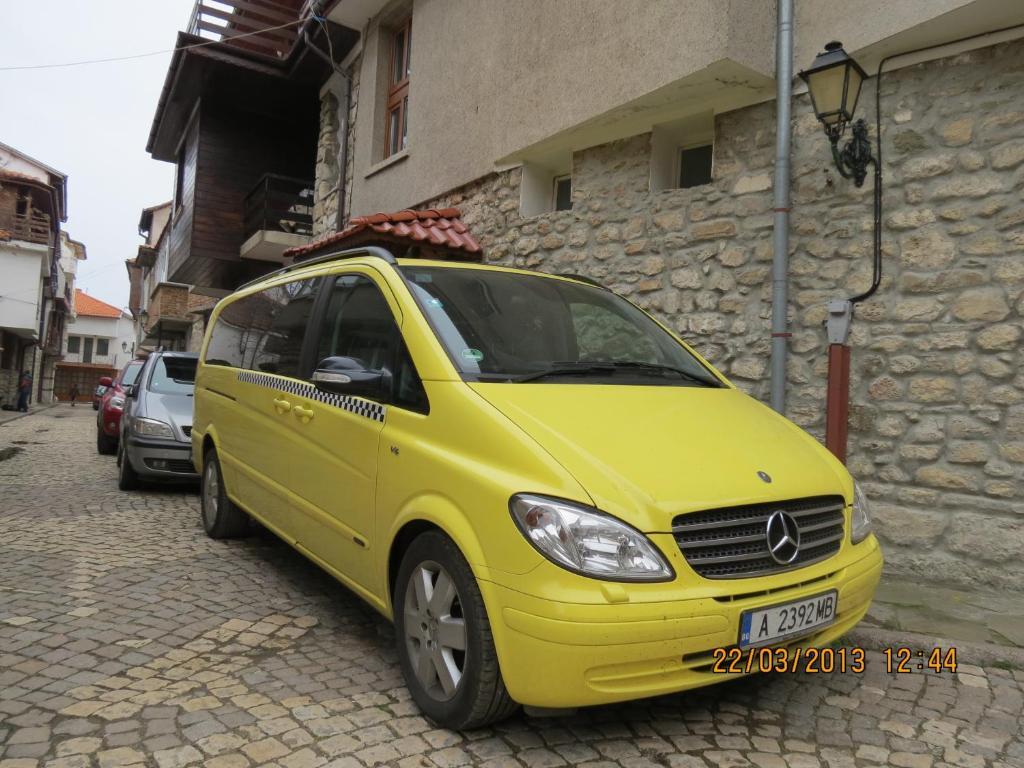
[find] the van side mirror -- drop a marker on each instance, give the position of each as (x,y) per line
(106,381)
(131,390)
(350,376)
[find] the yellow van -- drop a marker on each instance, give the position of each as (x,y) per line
(556,501)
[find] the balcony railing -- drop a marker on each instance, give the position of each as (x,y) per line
(32,227)
(248,24)
(280,204)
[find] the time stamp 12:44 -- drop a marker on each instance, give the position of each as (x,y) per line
(900,660)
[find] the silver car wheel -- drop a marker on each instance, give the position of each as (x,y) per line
(435,630)
(211,495)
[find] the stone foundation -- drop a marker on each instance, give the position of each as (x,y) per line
(937,421)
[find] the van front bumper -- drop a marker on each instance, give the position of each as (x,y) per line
(570,655)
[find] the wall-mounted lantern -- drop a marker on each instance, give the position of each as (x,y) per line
(834,81)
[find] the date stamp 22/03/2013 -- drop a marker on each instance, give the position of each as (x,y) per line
(900,660)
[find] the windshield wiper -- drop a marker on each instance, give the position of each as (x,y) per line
(605,367)
(663,369)
(566,369)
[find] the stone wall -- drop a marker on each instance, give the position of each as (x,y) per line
(328,158)
(937,422)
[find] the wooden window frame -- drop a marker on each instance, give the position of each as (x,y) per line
(179,180)
(398,91)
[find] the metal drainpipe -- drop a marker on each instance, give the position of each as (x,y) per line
(780,239)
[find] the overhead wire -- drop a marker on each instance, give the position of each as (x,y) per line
(23,67)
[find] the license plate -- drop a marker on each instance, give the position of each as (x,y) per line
(786,620)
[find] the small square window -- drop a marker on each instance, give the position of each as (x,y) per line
(102,347)
(563,193)
(74,344)
(695,166)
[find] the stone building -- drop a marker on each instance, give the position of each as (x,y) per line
(164,313)
(937,422)
(633,141)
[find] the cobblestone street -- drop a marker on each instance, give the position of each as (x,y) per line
(127,637)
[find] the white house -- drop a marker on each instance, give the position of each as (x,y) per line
(33,304)
(100,340)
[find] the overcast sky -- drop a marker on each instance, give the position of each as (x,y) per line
(91,122)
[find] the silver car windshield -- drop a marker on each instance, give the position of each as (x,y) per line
(173,376)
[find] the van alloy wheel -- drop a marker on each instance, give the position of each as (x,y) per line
(435,630)
(211,495)
(221,517)
(443,637)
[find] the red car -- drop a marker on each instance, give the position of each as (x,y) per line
(108,420)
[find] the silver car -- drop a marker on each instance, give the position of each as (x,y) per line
(156,427)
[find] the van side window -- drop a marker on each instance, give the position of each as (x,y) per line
(358,323)
(264,331)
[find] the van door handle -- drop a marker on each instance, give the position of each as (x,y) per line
(282,405)
(304,414)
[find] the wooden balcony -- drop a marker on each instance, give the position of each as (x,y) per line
(252,25)
(32,227)
(278,214)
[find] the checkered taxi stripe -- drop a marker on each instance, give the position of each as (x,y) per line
(358,406)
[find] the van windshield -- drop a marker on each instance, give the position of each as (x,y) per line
(506,326)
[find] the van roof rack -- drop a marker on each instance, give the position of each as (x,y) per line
(350,253)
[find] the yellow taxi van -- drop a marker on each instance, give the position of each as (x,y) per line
(556,500)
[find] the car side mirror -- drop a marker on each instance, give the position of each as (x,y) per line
(106,381)
(130,390)
(350,376)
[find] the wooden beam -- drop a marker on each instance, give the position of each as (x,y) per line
(273,12)
(255,40)
(246,24)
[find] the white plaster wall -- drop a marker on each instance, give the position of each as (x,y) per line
(20,287)
(120,335)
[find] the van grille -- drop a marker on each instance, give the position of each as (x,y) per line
(731,543)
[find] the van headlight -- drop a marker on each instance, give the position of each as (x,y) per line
(586,541)
(861,517)
(151,428)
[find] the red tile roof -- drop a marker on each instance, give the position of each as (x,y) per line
(90,307)
(16,176)
(441,228)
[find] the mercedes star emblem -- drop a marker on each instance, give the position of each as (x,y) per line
(783,537)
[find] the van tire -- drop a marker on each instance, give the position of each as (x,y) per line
(480,696)
(221,517)
(127,477)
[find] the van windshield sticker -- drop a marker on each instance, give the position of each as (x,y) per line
(473,354)
(434,302)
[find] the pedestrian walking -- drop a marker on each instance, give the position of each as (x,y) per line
(24,390)
(74,395)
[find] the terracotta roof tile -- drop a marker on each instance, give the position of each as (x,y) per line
(442,228)
(15,176)
(90,307)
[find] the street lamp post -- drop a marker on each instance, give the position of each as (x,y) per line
(834,81)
